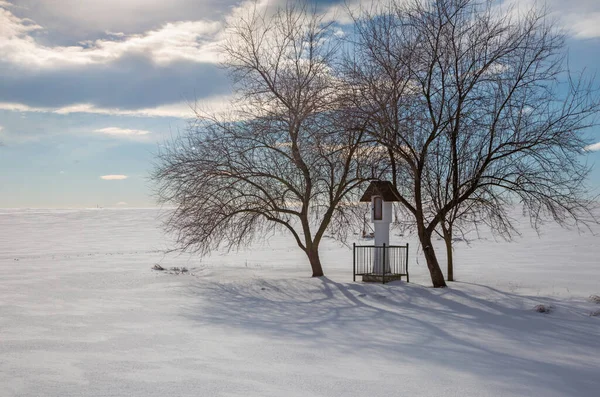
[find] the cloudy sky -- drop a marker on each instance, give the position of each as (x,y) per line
(88,88)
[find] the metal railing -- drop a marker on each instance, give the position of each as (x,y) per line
(390,262)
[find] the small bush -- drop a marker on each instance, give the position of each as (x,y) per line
(594,299)
(543,309)
(158,267)
(178,270)
(595,314)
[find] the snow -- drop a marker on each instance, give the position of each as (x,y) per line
(83,314)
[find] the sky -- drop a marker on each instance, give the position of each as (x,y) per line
(89,89)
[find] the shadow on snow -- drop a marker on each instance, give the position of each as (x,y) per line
(472,329)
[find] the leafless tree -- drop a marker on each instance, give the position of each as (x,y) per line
(287,156)
(478,107)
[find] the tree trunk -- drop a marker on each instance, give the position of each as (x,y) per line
(315,261)
(447,231)
(437,277)
(449,256)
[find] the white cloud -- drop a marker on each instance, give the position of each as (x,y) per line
(339,12)
(592,148)
(17,107)
(84,18)
(195,41)
(121,203)
(113,177)
(198,40)
(116,34)
(190,40)
(580,18)
(179,110)
(116,131)
(5,4)
(183,110)
(584,26)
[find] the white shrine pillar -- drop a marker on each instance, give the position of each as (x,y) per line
(381,195)
(381,216)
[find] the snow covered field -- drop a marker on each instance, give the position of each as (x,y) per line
(83,314)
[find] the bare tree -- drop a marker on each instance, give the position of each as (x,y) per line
(480,111)
(286,157)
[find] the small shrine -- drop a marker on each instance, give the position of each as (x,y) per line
(381,262)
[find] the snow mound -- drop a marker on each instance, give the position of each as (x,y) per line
(543,309)
(594,299)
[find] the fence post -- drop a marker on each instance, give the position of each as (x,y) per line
(407,277)
(354,262)
(383,265)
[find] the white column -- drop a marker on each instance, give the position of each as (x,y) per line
(382,236)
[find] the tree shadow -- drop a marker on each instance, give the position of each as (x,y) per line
(478,330)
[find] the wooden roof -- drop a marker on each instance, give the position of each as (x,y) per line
(384,189)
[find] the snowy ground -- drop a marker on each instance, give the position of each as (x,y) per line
(83,314)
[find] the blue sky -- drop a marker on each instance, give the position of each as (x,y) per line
(89,88)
